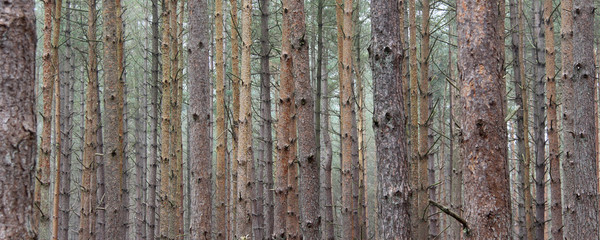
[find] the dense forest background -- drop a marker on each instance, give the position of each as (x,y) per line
(301,119)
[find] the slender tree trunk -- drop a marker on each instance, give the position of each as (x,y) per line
(326,203)
(101,188)
(126,155)
(360,129)
(57,118)
(486,186)
(539,122)
(235,85)
(220,213)
(245,164)
(266,129)
(200,123)
(140,161)
(286,142)
(309,165)
(345,58)
(423,184)
(87,223)
(258,203)
(113,106)
(389,122)
(153,157)
(414,118)
(580,188)
(66,107)
(520,87)
(552,119)
(41,220)
(18,148)
(167,213)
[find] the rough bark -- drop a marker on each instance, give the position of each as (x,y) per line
(200,123)
(175,128)
(113,106)
(362,218)
(220,191)
(266,129)
(87,223)
(304,101)
(389,122)
(486,183)
(17,111)
(41,221)
(580,185)
(245,165)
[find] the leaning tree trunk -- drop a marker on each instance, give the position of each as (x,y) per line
(17,81)
(200,121)
(580,186)
(389,122)
(486,184)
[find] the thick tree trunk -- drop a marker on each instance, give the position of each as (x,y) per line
(389,123)
(113,106)
(87,220)
(481,62)
(200,123)
(245,160)
(580,186)
(17,81)
(304,100)
(265,128)
(220,191)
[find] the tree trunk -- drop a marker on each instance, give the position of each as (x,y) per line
(360,129)
(539,123)
(326,202)
(486,181)
(113,106)
(66,107)
(309,165)
(41,220)
(17,94)
(140,161)
(580,188)
(57,118)
(166,214)
(286,139)
(422,217)
(220,191)
(153,158)
(87,223)
(266,129)
(245,164)
(101,190)
(414,119)
(200,124)
(235,85)
(389,122)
